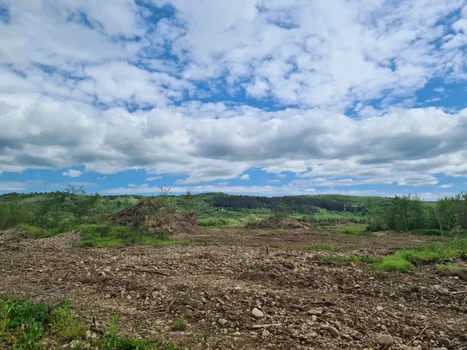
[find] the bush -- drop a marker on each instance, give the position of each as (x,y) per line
(65,325)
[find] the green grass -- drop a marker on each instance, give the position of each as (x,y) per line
(405,260)
(179,325)
(117,236)
(453,267)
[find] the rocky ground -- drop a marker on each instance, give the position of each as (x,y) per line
(235,295)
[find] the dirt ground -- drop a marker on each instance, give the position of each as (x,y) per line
(217,281)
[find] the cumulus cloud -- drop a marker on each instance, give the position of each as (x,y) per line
(220,87)
(407,147)
(72,173)
(245,177)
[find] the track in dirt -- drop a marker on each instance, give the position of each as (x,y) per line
(218,280)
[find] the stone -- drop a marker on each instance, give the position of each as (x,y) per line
(265,333)
(316,312)
(257,313)
(410,331)
(311,335)
(334,332)
(444,342)
(379,308)
(385,340)
(222,321)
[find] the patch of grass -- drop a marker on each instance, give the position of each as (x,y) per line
(331,259)
(357,231)
(394,263)
(365,259)
(453,267)
(404,260)
(117,236)
(65,324)
(179,325)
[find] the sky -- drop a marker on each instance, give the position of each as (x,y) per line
(263,97)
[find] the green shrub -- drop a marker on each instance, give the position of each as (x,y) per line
(65,325)
(23,321)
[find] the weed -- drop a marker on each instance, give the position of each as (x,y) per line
(65,325)
(179,325)
(22,323)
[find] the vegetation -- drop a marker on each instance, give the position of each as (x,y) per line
(25,325)
(179,325)
(404,260)
(116,236)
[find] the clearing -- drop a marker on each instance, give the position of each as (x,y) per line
(308,294)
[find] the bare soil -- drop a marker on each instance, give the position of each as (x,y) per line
(216,282)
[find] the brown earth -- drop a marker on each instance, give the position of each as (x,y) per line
(218,280)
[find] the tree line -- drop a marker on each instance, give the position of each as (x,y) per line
(408,213)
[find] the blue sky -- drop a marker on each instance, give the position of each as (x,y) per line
(269,97)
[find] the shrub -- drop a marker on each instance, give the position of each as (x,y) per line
(65,325)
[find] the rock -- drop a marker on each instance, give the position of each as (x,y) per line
(265,333)
(410,331)
(257,313)
(222,321)
(316,312)
(444,342)
(88,334)
(311,335)
(379,308)
(385,340)
(334,332)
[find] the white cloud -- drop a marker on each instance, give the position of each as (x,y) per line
(446,186)
(405,146)
(72,173)
(154,178)
(99,84)
(245,177)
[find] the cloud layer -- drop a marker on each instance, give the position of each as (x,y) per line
(206,90)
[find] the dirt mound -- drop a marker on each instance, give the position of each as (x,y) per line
(153,215)
(278,223)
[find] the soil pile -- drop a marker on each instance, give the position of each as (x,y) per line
(278,223)
(153,215)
